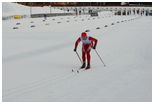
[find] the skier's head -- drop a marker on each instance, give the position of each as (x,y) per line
(84,35)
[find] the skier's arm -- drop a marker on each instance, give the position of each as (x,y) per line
(95,41)
(76,43)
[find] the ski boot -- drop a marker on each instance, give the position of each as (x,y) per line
(88,67)
(83,65)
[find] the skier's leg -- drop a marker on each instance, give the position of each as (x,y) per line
(83,59)
(83,56)
(88,59)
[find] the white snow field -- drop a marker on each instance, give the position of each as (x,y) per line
(10,9)
(37,61)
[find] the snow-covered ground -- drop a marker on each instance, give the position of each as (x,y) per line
(37,61)
(10,9)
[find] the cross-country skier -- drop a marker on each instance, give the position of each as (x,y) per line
(88,42)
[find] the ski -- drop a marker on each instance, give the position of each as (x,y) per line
(79,70)
(76,70)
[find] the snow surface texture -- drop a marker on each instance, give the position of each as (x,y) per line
(37,61)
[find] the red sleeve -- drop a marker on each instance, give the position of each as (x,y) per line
(77,42)
(94,40)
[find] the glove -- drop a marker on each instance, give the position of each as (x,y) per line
(74,49)
(94,47)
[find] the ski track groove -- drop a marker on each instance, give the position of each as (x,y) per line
(36,85)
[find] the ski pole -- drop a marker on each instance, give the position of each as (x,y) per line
(78,56)
(100,57)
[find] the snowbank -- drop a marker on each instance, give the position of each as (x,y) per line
(10,9)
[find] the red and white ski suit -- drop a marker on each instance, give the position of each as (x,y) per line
(86,47)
